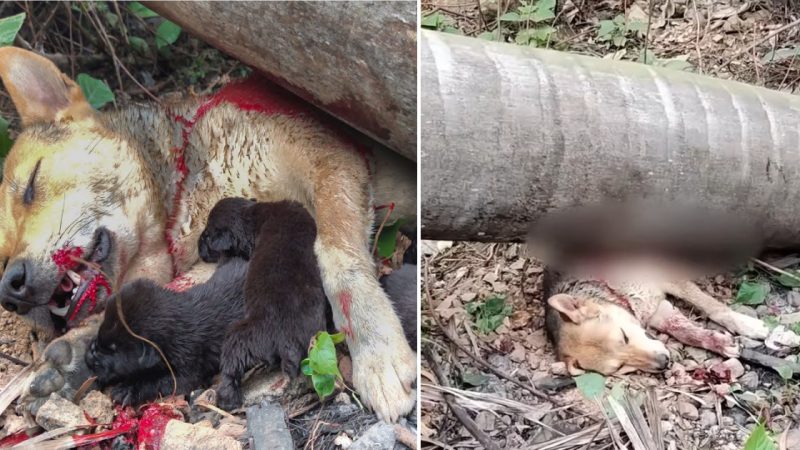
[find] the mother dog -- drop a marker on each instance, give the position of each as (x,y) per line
(124,194)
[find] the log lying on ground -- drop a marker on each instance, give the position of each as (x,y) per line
(355,60)
(510,133)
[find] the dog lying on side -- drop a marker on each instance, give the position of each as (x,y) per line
(189,327)
(284,300)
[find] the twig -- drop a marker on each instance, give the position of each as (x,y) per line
(82,390)
(775,269)
(768,361)
(405,437)
(474,357)
(219,411)
(697,38)
(13,359)
(647,34)
(461,415)
(761,41)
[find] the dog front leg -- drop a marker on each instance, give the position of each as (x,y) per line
(384,366)
(669,320)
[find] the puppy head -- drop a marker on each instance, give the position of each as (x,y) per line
(603,337)
(115,355)
(228,233)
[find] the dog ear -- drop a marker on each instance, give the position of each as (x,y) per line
(39,90)
(572,307)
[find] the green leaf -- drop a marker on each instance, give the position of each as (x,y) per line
(795,327)
(139,45)
(141,11)
(788,280)
(591,384)
(487,36)
(785,372)
(9,27)
(96,91)
(432,21)
(538,36)
(511,17)
(337,338)
(489,314)
(771,322)
(451,30)
(324,384)
(5,139)
(167,33)
(759,439)
(387,241)
(606,30)
(323,356)
(752,293)
(781,54)
(474,378)
(305,367)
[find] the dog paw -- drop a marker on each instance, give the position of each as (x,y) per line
(61,367)
(385,378)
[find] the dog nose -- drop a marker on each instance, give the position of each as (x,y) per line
(663,361)
(14,288)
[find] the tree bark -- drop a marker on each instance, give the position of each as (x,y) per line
(355,60)
(511,133)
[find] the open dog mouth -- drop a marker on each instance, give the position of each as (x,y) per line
(81,280)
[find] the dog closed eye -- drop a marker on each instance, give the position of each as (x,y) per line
(30,191)
(624,336)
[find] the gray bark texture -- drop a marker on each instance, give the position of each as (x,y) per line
(511,133)
(355,60)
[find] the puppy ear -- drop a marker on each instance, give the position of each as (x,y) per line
(39,90)
(572,307)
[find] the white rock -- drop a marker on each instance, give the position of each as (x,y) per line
(58,412)
(179,435)
(688,411)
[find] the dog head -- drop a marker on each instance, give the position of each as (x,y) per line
(601,337)
(70,183)
(228,232)
(116,355)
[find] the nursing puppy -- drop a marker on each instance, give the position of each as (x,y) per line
(285,304)
(401,287)
(189,327)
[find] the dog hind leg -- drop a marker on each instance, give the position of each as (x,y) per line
(737,323)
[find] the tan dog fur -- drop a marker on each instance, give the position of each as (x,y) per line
(116,170)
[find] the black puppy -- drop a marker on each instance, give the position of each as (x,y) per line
(284,300)
(189,327)
(401,287)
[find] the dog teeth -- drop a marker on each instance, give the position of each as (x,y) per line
(74,277)
(61,312)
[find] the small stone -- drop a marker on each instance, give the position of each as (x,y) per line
(558,368)
(380,435)
(697,354)
(265,385)
(342,398)
(746,342)
(179,435)
(343,441)
(749,381)
(727,421)
(485,420)
(736,368)
(58,412)
(708,418)
(794,298)
(266,423)
(98,406)
(666,426)
(688,411)
(233,430)
(763,310)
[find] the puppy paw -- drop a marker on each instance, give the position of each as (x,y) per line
(229,397)
(61,367)
(385,378)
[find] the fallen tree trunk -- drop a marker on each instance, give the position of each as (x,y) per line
(511,133)
(355,60)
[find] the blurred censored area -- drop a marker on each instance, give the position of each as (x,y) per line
(688,238)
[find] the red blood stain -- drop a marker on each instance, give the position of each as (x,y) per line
(252,94)
(66,258)
(91,294)
(346,300)
(153,423)
(14,439)
(180,283)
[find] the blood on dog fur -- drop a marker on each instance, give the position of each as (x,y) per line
(189,327)
(284,300)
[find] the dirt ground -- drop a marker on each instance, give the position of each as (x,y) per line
(723,38)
